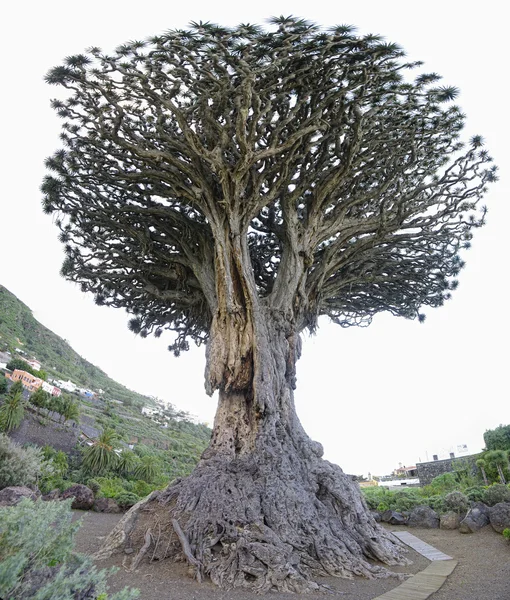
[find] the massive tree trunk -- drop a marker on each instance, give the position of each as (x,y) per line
(262,509)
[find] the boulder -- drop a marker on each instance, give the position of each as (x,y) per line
(499,516)
(53,495)
(106,505)
(10,496)
(450,520)
(393,517)
(423,516)
(376,515)
(83,496)
(476,518)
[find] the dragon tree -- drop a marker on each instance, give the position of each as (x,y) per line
(232,186)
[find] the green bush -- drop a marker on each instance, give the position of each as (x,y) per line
(142,488)
(475,493)
(36,557)
(406,500)
(496,493)
(456,502)
(20,466)
(126,499)
(109,488)
(442,484)
(506,534)
(3,385)
(94,485)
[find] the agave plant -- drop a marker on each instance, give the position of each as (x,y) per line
(101,456)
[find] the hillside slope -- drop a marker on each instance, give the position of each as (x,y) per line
(19,329)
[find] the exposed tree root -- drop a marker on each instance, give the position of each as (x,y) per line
(244,525)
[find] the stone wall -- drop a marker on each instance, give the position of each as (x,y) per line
(427,471)
(31,431)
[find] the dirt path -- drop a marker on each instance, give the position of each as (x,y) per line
(483,572)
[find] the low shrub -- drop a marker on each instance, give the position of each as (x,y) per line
(142,488)
(110,487)
(456,502)
(496,493)
(20,466)
(94,485)
(475,493)
(126,499)
(37,559)
(406,500)
(506,534)
(442,484)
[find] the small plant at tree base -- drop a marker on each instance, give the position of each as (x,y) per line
(37,559)
(506,534)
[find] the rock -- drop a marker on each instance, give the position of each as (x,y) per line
(450,520)
(393,517)
(106,505)
(499,516)
(10,496)
(477,517)
(423,516)
(53,495)
(83,496)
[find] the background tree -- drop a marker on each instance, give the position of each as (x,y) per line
(40,398)
(499,459)
(3,384)
(12,410)
(232,186)
(498,438)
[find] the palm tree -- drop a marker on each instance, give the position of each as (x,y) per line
(127,463)
(499,459)
(481,464)
(147,469)
(101,456)
(12,410)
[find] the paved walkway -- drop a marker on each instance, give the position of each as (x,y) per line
(422,548)
(427,582)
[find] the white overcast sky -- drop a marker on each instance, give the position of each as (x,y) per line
(397,392)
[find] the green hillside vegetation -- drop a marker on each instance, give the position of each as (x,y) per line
(165,445)
(19,329)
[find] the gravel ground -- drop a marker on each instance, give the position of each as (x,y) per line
(483,572)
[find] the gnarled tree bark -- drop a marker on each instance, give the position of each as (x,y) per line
(262,509)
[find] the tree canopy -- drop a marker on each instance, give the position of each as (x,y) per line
(342,177)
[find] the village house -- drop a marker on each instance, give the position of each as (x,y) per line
(29,381)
